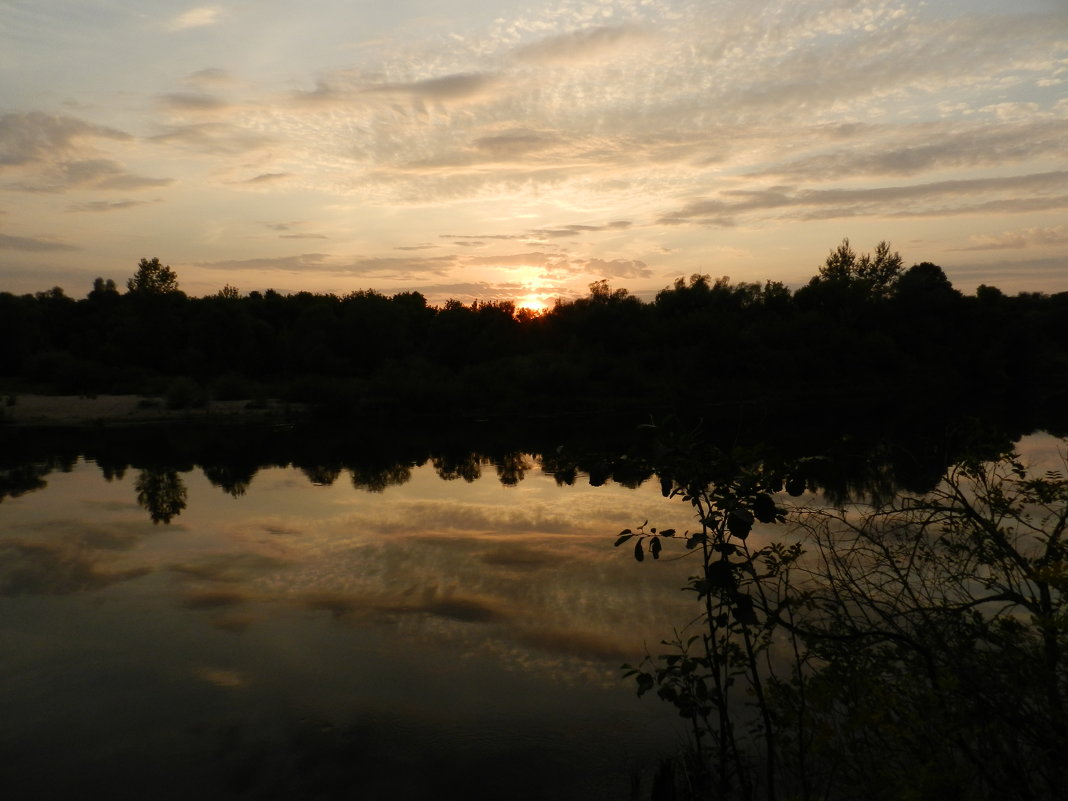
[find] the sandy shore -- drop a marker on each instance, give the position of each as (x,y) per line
(74,410)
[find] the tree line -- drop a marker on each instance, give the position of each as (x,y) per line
(864,331)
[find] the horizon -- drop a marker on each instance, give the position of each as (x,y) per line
(525,152)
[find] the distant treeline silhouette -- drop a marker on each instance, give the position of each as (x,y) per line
(863,332)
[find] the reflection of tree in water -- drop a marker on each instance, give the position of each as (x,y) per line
(322,475)
(377,478)
(232,478)
(467,466)
(162,492)
(16,481)
(512,468)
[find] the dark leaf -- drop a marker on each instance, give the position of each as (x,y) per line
(720,575)
(764,509)
(654,548)
(740,523)
(795,486)
(667,532)
(623,538)
(639,552)
(743,610)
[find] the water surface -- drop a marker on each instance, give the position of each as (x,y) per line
(299,638)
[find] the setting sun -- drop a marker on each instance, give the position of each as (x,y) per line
(532,303)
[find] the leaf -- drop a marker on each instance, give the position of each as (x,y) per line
(743,610)
(740,523)
(764,509)
(639,552)
(667,532)
(795,486)
(654,548)
(720,575)
(622,538)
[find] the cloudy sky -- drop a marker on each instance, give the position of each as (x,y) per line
(522,150)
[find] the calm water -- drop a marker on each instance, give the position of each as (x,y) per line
(450,639)
(302,636)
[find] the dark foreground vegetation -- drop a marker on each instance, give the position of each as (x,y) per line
(864,332)
(913,647)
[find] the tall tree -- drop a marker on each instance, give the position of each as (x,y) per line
(153,278)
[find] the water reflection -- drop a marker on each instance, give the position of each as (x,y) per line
(877,465)
(266,614)
(162,493)
(445,636)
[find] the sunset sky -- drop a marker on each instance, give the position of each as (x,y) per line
(522,150)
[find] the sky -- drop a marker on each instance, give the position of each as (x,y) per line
(511,150)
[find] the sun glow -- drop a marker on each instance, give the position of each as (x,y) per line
(532,303)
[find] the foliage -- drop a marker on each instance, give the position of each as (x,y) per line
(916,649)
(952,607)
(854,341)
(151,278)
(740,592)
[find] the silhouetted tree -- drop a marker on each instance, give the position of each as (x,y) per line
(153,278)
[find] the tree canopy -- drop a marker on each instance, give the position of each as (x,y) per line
(153,278)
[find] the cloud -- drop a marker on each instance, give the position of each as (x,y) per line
(516,144)
(267,177)
(1017,275)
(108,205)
(396,268)
(200,17)
(190,101)
(858,150)
(934,199)
(303,262)
(57,153)
(575,230)
(618,268)
(215,138)
(212,76)
(1018,240)
(36,137)
(589,45)
(351,87)
(28,244)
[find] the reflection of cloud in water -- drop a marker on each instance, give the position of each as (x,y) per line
(54,568)
(583,644)
(521,557)
(430,516)
(228,567)
(229,679)
(215,598)
(451,606)
(110,505)
(118,536)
